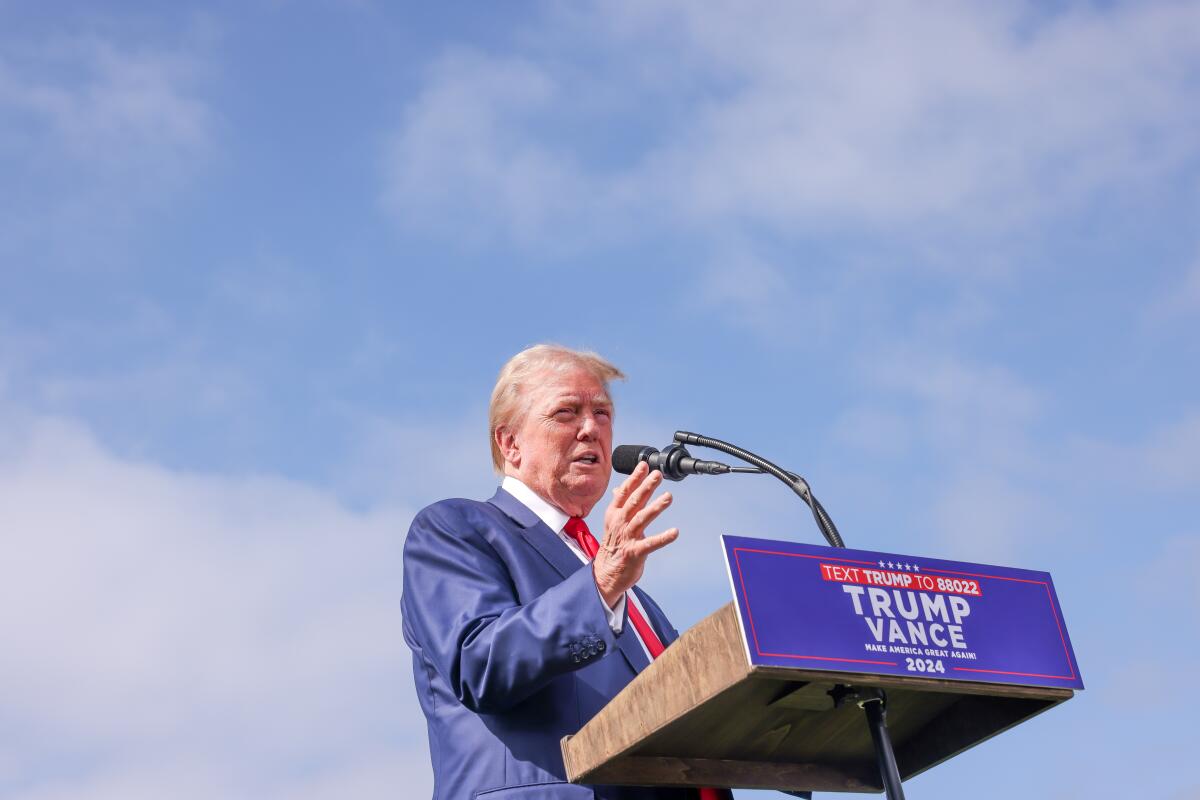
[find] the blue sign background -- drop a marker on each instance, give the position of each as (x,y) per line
(792,616)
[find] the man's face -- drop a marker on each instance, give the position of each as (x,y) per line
(563,448)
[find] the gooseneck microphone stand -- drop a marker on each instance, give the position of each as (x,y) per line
(870,700)
(761,465)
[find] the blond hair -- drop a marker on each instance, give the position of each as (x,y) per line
(509,398)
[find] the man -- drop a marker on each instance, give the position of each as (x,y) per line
(518,636)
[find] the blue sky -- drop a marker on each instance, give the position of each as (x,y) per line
(260,262)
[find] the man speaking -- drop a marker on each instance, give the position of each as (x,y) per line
(522,626)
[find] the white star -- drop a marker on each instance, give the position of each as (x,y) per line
(881,565)
(891,565)
(907,566)
(916,568)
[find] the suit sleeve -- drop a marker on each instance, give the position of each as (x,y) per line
(461,609)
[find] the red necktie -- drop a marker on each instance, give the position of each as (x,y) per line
(577,529)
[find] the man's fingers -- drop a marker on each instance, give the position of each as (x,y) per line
(622,492)
(641,519)
(642,492)
(657,542)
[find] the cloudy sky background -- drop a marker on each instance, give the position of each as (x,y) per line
(260,262)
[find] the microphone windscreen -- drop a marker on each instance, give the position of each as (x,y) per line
(625,457)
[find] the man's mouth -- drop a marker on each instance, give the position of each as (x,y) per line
(588,459)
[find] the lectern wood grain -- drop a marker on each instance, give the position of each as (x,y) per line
(698,666)
(700,715)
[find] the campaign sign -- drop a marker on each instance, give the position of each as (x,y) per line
(831,608)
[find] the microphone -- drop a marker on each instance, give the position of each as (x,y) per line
(675,462)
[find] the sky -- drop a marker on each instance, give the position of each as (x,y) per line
(260,263)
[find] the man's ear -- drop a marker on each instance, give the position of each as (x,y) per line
(506,441)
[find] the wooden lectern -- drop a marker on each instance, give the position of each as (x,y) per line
(702,715)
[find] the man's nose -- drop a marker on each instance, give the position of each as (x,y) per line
(587,428)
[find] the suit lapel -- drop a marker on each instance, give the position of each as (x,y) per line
(536,532)
(559,556)
(666,634)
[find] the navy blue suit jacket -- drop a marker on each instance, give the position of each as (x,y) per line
(511,651)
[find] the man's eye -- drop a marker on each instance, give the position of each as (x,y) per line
(565,412)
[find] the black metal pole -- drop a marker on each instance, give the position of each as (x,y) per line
(876,708)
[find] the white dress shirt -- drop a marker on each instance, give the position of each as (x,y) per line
(556,520)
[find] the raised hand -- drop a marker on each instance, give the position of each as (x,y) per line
(622,557)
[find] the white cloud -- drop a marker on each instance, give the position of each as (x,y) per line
(267,286)
(95,130)
(877,114)
(993,480)
(1167,459)
(972,410)
(1181,300)
(828,114)
(967,428)
(1168,581)
(874,430)
(990,519)
(464,163)
(190,635)
(765,297)
(419,462)
(103,106)
(1172,455)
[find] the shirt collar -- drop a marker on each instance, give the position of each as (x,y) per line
(553,517)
